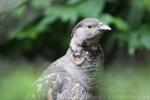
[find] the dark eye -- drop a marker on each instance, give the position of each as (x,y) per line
(89,26)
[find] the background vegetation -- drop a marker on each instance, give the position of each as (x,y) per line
(35,32)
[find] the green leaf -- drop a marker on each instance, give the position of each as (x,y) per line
(144,31)
(139,39)
(43,24)
(41,3)
(20,11)
(73,1)
(145,40)
(65,13)
(30,32)
(142,3)
(107,18)
(120,24)
(91,8)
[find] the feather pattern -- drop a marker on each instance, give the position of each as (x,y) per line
(72,76)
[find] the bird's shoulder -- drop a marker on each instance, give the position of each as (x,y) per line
(52,80)
(48,85)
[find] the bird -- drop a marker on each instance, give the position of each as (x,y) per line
(72,76)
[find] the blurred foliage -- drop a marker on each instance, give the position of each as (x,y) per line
(44,25)
(126,84)
(17,84)
(120,82)
(34,28)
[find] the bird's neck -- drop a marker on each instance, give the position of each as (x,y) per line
(87,60)
(82,54)
(85,54)
(80,44)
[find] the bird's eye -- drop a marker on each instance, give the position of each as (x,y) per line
(89,26)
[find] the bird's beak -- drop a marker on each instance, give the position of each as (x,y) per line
(103,27)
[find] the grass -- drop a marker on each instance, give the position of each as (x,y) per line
(128,83)
(119,82)
(16,85)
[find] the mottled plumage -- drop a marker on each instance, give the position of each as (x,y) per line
(72,76)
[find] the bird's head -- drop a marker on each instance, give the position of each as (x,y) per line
(87,32)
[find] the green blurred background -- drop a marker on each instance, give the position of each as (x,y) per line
(33,33)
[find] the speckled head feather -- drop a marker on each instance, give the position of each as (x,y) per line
(88,22)
(87,32)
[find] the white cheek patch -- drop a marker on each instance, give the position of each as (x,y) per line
(81,33)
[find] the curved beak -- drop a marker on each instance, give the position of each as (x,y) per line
(103,27)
